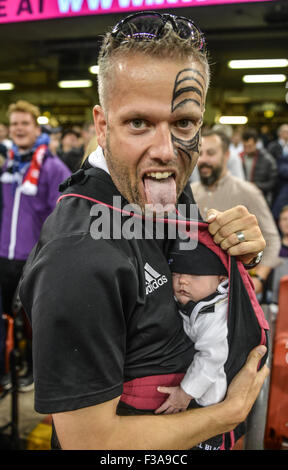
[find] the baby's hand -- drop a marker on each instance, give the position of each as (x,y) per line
(178,400)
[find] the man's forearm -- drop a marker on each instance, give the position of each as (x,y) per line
(141,432)
(180,431)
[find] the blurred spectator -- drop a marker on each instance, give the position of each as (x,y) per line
(91,147)
(70,151)
(281,201)
(3,154)
(283,227)
(4,140)
(282,269)
(259,166)
(88,133)
(5,143)
(266,135)
(236,145)
(55,140)
(234,163)
(279,149)
(220,190)
(29,188)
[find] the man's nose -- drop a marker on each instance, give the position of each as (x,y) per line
(202,157)
(162,147)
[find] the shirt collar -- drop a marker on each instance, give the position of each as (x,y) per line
(97,159)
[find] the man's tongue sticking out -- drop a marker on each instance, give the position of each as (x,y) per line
(161,191)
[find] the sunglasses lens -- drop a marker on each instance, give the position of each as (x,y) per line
(186,29)
(141,27)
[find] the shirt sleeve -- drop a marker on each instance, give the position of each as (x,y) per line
(209,334)
(77,293)
(258,206)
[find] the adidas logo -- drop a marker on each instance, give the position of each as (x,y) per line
(154,280)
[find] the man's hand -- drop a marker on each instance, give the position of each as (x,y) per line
(223,226)
(178,400)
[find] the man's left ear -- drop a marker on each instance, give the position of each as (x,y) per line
(100,125)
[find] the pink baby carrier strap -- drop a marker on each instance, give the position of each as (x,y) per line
(142,393)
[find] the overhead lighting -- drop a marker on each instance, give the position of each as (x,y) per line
(7,86)
(274,78)
(75,83)
(257,63)
(42,120)
(269,113)
(233,120)
(94,69)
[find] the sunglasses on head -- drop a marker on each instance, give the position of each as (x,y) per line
(148,26)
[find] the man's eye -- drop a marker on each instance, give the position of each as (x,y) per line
(184,123)
(137,123)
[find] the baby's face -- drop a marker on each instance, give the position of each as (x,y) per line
(192,287)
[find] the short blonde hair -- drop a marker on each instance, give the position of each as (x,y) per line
(169,46)
(24,107)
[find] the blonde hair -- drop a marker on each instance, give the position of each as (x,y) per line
(24,107)
(169,46)
(92,145)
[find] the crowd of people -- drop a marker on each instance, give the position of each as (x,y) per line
(34,160)
(233,169)
(239,166)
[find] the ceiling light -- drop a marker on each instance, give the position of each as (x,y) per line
(233,120)
(42,120)
(75,83)
(257,63)
(94,69)
(6,86)
(269,113)
(274,78)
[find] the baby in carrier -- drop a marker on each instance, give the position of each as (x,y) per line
(200,284)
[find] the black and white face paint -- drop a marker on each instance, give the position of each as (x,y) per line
(188,87)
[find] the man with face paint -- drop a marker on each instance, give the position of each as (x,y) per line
(102,310)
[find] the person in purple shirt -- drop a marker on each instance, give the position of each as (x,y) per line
(30,179)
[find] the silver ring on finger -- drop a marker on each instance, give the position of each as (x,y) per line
(241,237)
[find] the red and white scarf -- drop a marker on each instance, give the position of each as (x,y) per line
(30,181)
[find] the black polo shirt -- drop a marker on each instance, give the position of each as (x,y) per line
(102,311)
